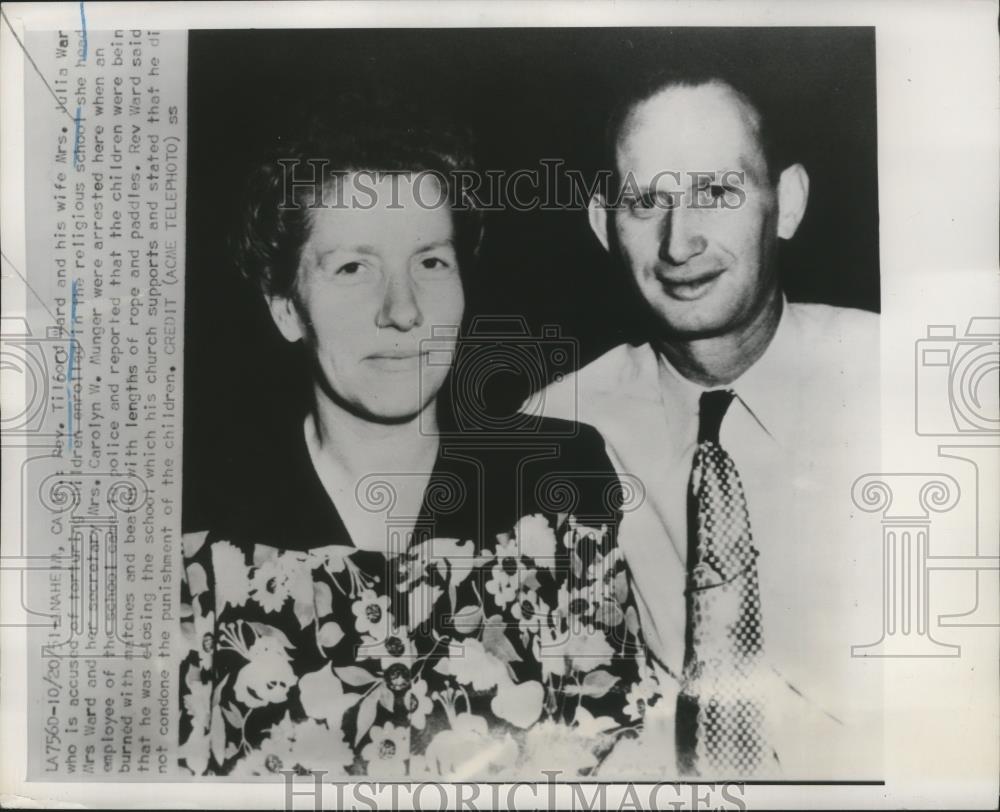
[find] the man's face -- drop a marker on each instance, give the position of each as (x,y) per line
(709,270)
(371,284)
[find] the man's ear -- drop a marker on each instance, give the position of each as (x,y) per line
(597,212)
(285,316)
(793,194)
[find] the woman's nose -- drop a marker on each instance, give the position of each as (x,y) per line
(400,308)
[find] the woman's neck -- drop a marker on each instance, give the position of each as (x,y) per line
(359,447)
(346,449)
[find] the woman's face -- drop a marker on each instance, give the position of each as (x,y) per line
(373,285)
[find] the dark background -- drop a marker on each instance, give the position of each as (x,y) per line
(527,94)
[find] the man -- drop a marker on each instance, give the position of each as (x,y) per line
(746,418)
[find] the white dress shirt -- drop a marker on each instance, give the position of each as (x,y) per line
(803,426)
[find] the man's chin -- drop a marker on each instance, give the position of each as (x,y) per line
(679,322)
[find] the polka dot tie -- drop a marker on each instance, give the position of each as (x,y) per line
(720,721)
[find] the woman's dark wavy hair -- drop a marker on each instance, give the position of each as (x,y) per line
(351,135)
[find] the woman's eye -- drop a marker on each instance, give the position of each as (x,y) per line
(348,273)
(435,266)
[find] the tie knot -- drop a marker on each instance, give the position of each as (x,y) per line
(711,411)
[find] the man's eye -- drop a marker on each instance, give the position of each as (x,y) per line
(715,190)
(349,269)
(434,263)
(644,205)
(649,203)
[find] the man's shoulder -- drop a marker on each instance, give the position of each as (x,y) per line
(837,361)
(624,371)
(836,332)
(830,320)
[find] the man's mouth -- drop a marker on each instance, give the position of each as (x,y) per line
(688,287)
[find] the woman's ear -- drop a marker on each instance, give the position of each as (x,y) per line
(286,316)
(597,212)
(793,194)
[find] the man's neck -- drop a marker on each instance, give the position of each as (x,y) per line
(359,447)
(720,360)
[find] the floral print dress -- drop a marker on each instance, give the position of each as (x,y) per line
(452,658)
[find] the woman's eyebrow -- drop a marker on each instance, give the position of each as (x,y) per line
(347,249)
(445,243)
(373,251)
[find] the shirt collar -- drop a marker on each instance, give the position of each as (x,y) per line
(763,389)
(768,388)
(680,396)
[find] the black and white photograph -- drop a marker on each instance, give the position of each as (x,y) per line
(415,374)
(460,401)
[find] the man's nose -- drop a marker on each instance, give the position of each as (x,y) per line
(680,238)
(400,308)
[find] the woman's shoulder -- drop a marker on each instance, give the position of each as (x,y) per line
(276,499)
(575,438)
(547,466)
(565,444)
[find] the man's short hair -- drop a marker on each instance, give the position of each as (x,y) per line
(774,140)
(349,134)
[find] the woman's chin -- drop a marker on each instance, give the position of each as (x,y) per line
(398,398)
(392,408)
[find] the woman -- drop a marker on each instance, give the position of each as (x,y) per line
(396,598)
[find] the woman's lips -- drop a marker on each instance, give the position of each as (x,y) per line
(395,362)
